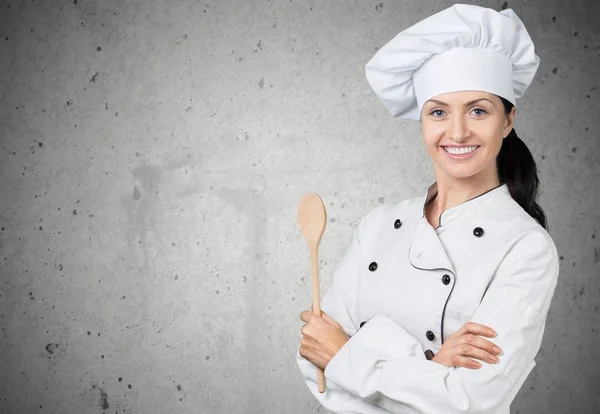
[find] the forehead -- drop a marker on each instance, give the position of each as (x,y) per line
(462,97)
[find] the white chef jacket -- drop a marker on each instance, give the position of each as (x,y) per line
(412,285)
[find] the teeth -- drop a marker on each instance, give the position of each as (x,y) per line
(462,150)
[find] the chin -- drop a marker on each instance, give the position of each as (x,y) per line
(462,172)
(463,169)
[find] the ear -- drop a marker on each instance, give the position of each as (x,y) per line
(509,124)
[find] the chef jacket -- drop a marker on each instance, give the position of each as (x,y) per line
(403,287)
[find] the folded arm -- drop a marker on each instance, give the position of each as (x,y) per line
(382,368)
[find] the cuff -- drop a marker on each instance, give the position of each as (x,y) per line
(378,341)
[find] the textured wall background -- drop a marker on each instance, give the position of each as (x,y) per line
(152,155)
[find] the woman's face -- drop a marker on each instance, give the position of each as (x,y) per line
(463,133)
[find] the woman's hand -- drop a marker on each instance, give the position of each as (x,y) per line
(465,344)
(322,338)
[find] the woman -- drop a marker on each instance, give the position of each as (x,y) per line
(439,304)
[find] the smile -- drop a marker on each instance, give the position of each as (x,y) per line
(460,152)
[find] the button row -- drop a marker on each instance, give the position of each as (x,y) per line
(446,279)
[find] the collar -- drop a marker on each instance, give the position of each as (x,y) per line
(427,250)
(472,206)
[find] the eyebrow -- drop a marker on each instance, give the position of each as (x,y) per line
(467,104)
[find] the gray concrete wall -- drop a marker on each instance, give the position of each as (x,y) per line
(152,155)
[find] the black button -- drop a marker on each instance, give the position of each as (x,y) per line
(478,231)
(362,323)
(446,279)
(430,335)
(373,266)
(429,354)
(397,224)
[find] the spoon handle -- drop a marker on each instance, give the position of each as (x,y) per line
(314,255)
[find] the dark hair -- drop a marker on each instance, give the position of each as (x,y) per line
(517,168)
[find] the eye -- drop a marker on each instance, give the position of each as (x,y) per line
(435,111)
(483,111)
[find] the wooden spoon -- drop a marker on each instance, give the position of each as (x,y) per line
(311,219)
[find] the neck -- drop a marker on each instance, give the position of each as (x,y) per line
(452,191)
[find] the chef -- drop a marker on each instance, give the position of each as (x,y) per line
(440,301)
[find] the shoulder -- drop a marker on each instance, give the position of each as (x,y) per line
(526,232)
(528,244)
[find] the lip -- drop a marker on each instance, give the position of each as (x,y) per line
(459,156)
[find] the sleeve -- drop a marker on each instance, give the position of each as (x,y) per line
(382,364)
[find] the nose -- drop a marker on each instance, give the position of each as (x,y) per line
(458,130)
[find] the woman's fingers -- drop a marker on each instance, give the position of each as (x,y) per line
(467,346)
(474,346)
(312,323)
(313,353)
(466,350)
(476,329)
(322,338)
(461,361)
(328,319)
(306,315)
(479,342)
(459,356)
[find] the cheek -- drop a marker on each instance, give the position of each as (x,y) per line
(431,134)
(491,135)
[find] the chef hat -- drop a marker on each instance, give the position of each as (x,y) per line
(463,47)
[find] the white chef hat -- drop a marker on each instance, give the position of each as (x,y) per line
(463,47)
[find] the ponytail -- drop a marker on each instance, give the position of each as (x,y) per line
(518,170)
